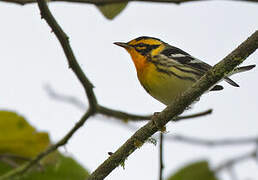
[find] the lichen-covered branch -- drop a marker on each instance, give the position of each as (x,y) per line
(101,2)
(93,108)
(177,107)
(156,123)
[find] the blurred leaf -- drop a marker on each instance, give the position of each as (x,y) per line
(195,171)
(4,168)
(18,137)
(111,10)
(65,169)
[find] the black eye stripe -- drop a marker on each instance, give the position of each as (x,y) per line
(147,49)
(141,45)
(146,45)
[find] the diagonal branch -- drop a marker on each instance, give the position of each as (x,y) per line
(102,2)
(210,78)
(157,122)
(72,62)
(94,107)
(211,143)
(87,85)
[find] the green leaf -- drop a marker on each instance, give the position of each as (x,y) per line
(66,168)
(4,168)
(111,10)
(19,142)
(195,171)
(18,137)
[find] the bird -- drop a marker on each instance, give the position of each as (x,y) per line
(166,71)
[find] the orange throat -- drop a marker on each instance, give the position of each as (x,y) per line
(139,61)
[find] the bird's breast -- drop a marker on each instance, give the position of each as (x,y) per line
(162,86)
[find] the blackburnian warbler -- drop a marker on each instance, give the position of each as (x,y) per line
(166,71)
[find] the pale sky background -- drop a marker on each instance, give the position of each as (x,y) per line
(32,57)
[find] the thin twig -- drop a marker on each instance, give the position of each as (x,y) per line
(191,116)
(12,159)
(161,164)
(213,76)
(100,109)
(14,156)
(121,115)
(65,98)
(157,122)
(72,62)
(112,112)
(87,85)
(211,143)
(10,162)
(229,163)
(101,2)
(26,166)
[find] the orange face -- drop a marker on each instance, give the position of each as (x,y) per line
(140,48)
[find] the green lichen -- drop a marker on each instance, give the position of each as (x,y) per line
(137,143)
(152,141)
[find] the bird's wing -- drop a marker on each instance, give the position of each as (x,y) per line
(175,56)
(178,56)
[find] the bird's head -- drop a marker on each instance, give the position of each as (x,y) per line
(142,47)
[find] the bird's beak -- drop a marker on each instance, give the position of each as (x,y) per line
(124,45)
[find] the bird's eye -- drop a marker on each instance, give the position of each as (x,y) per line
(140,46)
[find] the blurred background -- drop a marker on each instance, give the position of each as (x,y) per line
(31,58)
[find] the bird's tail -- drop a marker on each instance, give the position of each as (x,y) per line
(237,70)
(242,69)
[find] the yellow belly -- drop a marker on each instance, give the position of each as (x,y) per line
(163,87)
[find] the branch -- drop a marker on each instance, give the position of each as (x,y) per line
(87,85)
(100,109)
(156,123)
(121,115)
(11,159)
(212,143)
(111,112)
(14,156)
(64,98)
(213,76)
(102,2)
(196,115)
(161,163)
(72,62)
(229,163)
